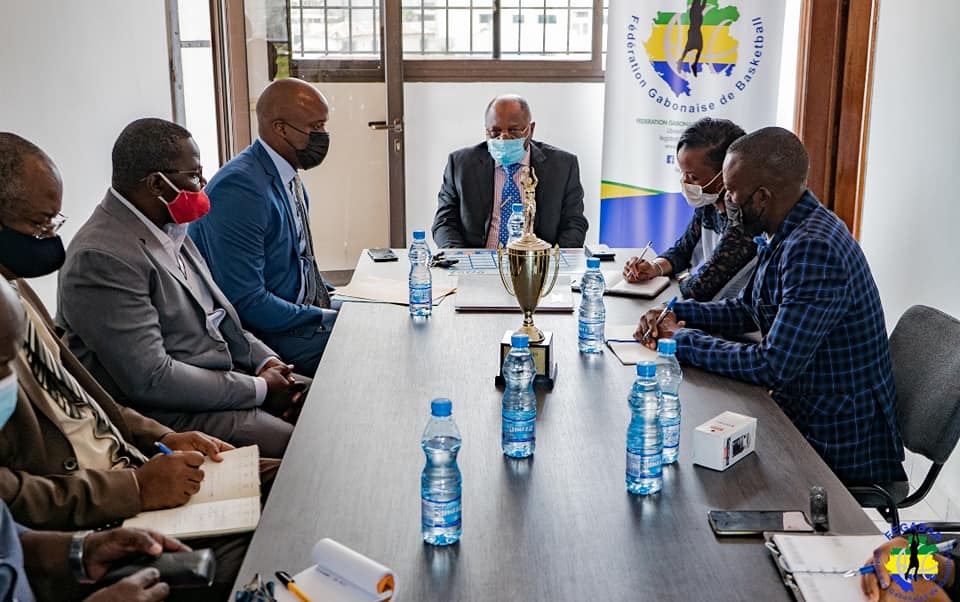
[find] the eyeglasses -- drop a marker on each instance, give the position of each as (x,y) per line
(50,229)
(510,132)
(195,175)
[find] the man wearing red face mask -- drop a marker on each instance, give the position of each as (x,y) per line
(142,312)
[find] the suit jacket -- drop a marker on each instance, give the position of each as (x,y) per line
(130,317)
(39,477)
(465,203)
(249,240)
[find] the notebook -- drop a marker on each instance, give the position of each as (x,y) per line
(485,292)
(813,565)
(228,500)
(341,575)
(627,349)
(616,285)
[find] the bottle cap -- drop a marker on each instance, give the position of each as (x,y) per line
(441,407)
(518,207)
(593,263)
(646,369)
(419,235)
(520,340)
(667,346)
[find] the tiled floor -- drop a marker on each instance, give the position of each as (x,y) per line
(921,512)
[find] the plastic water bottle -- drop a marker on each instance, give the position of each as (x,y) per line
(440,483)
(421,281)
(644,437)
(669,377)
(592,312)
(515,223)
(519,409)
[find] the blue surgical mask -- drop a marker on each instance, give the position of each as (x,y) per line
(8,398)
(506,152)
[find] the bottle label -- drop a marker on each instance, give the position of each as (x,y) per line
(440,514)
(421,295)
(591,329)
(644,467)
(518,431)
(671,436)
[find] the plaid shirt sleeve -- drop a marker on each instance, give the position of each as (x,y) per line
(728,316)
(813,297)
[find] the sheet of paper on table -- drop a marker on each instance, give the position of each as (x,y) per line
(372,289)
(627,349)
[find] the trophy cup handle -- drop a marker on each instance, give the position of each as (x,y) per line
(555,253)
(503,278)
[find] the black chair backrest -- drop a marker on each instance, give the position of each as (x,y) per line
(925,351)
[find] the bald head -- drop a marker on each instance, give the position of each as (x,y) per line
(11,326)
(775,156)
(508,116)
(27,177)
(287,111)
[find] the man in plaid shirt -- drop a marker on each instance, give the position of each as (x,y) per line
(824,353)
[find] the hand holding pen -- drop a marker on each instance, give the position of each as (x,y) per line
(658,324)
(635,268)
(875,578)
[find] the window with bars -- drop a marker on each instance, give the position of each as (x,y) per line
(504,39)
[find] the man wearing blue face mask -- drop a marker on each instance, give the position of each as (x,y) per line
(481,183)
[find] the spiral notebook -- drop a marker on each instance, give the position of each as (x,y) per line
(812,566)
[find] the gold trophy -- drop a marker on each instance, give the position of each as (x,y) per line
(528,259)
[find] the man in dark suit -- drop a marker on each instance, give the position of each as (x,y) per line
(481,183)
(256,238)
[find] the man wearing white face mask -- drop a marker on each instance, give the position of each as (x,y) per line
(481,183)
(713,258)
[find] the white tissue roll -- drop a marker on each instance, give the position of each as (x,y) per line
(366,574)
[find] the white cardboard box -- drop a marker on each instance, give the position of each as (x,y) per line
(723,440)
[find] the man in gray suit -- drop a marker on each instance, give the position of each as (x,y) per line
(481,183)
(142,312)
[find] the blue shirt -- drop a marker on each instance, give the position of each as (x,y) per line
(13,577)
(824,353)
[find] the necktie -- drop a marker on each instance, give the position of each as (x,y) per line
(314,292)
(509,196)
(71,398)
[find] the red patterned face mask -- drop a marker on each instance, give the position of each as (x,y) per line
(187,206)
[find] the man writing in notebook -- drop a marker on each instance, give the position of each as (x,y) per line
(824,353)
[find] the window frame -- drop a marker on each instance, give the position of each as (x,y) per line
(453,69)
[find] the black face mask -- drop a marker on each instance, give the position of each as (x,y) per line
(315,151)
(29,257)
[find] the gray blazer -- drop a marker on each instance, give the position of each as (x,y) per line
(465,202)
(130,317)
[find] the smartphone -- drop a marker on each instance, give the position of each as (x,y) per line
(379,255)
(755,522)
(177,569)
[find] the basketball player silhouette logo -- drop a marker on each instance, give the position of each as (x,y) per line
(694,36)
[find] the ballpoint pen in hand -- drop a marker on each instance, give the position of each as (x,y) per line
(943,547)
(643,252)
(663,314)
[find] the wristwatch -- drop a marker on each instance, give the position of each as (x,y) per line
(76,556)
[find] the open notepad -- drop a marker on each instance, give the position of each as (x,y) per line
(627,349)
(342,575)
(616,285)
(813,565)
(228,500)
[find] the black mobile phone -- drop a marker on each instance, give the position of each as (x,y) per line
(755,522)
(381,255)
(177,569)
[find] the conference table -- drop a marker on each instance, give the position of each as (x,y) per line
(557,526)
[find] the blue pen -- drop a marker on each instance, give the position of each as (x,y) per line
(663,314)
(943,547)
(163,449)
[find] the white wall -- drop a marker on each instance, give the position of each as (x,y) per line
(72,75)
(910,209)
(441,117)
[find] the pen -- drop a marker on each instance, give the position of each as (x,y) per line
(663,314)
(942,547)
(645,249)
(291,585)
(164,449)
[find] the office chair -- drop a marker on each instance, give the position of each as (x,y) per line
(925,352)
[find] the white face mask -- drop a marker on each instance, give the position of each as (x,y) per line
(8,397)
(695,195)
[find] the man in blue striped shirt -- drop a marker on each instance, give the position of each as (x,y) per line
(824,352)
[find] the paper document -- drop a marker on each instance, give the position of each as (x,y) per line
(627,349)
(228,500)
(385,290)
(485,292)
(816,563)
(341,575)
(616,285)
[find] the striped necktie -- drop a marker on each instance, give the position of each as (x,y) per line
(71,398)
(509,196)
(314,291)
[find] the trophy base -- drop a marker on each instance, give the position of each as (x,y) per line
(543,360)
